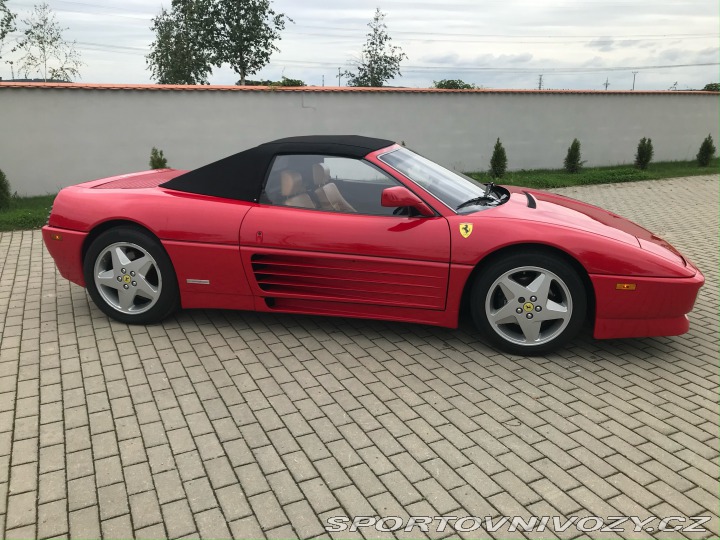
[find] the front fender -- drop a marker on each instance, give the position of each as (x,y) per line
(597,254)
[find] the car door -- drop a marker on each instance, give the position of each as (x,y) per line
(295,247)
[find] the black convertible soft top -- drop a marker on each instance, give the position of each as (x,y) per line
(241,175)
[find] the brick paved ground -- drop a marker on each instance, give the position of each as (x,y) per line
(228,423)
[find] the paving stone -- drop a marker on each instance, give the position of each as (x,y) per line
(299,466)
(113,501)
(246,528)
(331,472)
(267,510)
(212,524)
(437,496)
(132,451)
(634,490)
(304,520)
(53,519)
(119,527)
(21,510)
(85,523)
(151,533)
(233,503)
(189,466)
(598,486)
(178,519)
(318,495)
(200,495)
(81,493)
(675,498)
(24,478)
(108,471)
(145,509)
(555,496)
(53,486)
(516,488)
(138,478)
(160,458)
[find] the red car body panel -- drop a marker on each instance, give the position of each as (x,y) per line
(232,254)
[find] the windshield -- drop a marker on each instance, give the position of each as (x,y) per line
(451,188)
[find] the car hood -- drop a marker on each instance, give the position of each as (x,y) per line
(560,210)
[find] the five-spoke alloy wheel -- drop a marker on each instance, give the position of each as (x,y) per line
(130,277)
(529,303)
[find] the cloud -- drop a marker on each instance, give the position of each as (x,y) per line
(604,44)
(458,39)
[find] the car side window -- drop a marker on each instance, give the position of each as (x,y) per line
(327,183)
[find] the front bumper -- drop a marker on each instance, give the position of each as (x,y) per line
(65,247)
(657,306)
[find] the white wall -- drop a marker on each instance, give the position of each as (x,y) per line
(53,137)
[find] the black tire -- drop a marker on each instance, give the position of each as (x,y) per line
(489,299)
(137,243)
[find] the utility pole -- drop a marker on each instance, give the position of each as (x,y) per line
(540,85)
(606,83)
(634,73)
(339,77)
(323,80)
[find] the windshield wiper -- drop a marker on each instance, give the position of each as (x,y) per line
(484,198)
(477,200)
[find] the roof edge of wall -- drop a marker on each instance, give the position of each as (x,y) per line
(324,89)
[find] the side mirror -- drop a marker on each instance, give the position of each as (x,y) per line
(401,196)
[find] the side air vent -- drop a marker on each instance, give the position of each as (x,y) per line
(320,277)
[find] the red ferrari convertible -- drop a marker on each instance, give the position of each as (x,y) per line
(354,226)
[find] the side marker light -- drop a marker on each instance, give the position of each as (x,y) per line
(625,286)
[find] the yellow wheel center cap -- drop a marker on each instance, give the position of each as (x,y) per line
(528,306)
(126,279)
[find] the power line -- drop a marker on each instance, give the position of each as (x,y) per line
(306,63)
(456,38)
(477,34)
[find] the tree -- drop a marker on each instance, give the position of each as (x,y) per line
(285,81)
(179,54)
(291,82)
(454,84)
(380,60)
(572,159)
(45,50)
(7,23)
(707,151)
(644,153)
(157,159)
(5,196)
(244,35)
(498,161)
(712,87)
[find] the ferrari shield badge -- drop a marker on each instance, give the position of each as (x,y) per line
(466,229)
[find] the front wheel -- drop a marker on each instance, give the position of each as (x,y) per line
(529,304)
(130,277)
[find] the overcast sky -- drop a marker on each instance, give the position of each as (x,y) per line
(574,44)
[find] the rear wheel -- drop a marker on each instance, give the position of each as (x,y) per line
(529,303)
(130,277)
